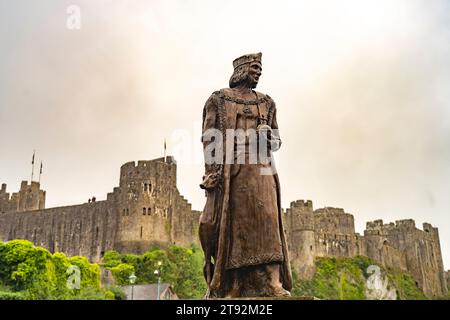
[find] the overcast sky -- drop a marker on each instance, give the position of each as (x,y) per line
(362,90)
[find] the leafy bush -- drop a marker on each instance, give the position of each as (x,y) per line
(118,293)
(181,267)
(8,295)
(37,274)
(122,273)
(111,259)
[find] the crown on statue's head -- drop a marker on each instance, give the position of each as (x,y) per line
(248,58)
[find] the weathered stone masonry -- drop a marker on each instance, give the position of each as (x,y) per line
(146,210)
(331,232)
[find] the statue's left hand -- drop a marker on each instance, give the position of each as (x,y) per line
(266,132)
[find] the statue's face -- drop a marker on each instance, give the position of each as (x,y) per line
(254,72)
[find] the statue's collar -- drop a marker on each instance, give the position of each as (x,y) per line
(226,96)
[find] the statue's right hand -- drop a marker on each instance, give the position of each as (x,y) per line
(210,181)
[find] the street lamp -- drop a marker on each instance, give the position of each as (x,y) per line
(132,281)
(158,274)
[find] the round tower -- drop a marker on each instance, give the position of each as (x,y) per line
(301,237)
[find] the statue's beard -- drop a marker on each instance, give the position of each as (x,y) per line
(252,83)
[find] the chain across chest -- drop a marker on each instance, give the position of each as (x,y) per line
(253,112)
(261,109)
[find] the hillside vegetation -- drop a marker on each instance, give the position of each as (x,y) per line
(349,279)
(30,272)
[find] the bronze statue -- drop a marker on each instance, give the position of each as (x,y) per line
(241,229)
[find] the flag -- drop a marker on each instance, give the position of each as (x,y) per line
(32,160)
(40,172)
(165,146)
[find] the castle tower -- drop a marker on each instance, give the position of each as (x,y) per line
(31,197)
(436,257)
(299,224)
(144,200)
(335,233)
(4,199)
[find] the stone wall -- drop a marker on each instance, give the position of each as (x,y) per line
(331,232)
(417,251)
(146,210)
(86,230)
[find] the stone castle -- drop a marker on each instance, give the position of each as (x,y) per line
(147,210)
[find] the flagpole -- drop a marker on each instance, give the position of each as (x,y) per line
(32,167)
(40,173)
(165,148)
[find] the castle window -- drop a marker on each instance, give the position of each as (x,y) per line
(128,212)
(149,211)
(310,248)
(141,231)
(144,211)
(124,212)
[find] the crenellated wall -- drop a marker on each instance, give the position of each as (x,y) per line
(417,251)
(146,210)
(86,229)
(30,197)
(331,232)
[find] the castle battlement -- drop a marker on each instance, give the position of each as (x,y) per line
(406,223)
(330,210)
(302,204)
(29,197)
(400,226)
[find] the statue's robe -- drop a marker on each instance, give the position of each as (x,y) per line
(241,225)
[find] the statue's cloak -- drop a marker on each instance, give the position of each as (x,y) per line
(220,112)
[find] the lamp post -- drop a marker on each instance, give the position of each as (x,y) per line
(158,274)
(132,281)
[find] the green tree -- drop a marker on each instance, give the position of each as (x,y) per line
(122,273)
